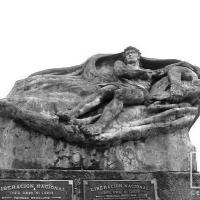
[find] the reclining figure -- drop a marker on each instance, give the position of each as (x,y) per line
(132,87)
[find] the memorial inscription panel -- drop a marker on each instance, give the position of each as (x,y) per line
(120,189)
(36,189)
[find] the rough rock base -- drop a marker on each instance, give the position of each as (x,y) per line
(24,149)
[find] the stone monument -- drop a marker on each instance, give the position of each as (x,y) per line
(119,117)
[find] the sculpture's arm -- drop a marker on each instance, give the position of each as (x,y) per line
(179,64)
(123,71)
(164,71)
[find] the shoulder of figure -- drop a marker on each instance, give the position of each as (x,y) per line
(119,68)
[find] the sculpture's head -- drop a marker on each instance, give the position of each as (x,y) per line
(131,55)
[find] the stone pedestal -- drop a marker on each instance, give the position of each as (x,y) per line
(168,185)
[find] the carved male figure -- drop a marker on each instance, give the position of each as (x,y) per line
(132,88)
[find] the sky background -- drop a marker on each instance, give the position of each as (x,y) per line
(40,34)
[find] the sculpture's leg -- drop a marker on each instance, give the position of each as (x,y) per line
(110,112)
(91,102)
(103,93)
(126,95)
(83,108)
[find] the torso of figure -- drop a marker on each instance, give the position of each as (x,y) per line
(131,74)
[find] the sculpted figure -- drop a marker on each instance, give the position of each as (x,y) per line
(131,88)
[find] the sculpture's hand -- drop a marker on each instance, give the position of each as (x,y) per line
(159,72)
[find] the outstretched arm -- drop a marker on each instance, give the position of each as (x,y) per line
(123,71)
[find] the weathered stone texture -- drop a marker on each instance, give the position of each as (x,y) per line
(143,137)
(22,148)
